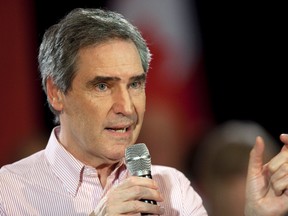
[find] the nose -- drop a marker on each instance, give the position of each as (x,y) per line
(123,103)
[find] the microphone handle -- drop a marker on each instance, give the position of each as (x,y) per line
(144,200)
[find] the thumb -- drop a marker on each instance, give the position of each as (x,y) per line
(256,158)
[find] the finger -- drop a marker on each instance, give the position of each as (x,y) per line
(146,182)
(137,193)
(135,206)
(284,139)
(136,188)
(140,181)
(278,161)
(256,158)
(279,185)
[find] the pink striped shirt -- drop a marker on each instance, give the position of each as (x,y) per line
(53,182)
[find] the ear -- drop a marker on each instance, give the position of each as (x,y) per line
(54,95)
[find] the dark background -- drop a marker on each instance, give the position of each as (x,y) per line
(244,57)
(243,47)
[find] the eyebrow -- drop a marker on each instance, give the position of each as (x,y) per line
(141,77)
(105,79)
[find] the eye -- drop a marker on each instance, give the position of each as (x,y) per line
(136,84)
(102,86)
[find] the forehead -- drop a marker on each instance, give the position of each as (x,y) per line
(112,57)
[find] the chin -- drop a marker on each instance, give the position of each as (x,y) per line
(119,154)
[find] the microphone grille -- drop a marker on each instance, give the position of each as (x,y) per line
(138,159)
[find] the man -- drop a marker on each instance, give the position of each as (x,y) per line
(94,66)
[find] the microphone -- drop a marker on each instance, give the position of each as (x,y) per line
(138,161)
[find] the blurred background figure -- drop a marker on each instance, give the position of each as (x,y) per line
(219,166)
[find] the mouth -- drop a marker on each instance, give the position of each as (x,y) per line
(118,130)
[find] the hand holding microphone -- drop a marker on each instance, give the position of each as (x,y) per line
(138,161)
(136,194)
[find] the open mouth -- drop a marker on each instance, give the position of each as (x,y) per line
(119,130)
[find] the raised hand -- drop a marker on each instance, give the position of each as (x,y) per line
(267,184)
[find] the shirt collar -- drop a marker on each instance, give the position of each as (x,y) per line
(68,169)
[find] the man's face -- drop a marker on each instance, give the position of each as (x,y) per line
(103,112)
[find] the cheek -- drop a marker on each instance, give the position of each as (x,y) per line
(140,106)
(85,108)
(96,109)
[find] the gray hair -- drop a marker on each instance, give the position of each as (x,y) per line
(78,29)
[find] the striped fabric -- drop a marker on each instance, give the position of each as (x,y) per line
(52,182)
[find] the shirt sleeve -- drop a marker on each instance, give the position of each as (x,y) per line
(2,211)
(185,196)
(192,202)
(180,198)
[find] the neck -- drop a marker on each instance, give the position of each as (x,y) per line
(104,171)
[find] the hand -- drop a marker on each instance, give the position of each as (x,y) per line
(124,199)
(266,189)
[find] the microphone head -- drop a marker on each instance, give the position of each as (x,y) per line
(138,159)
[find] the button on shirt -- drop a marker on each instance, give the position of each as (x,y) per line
(53,182)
